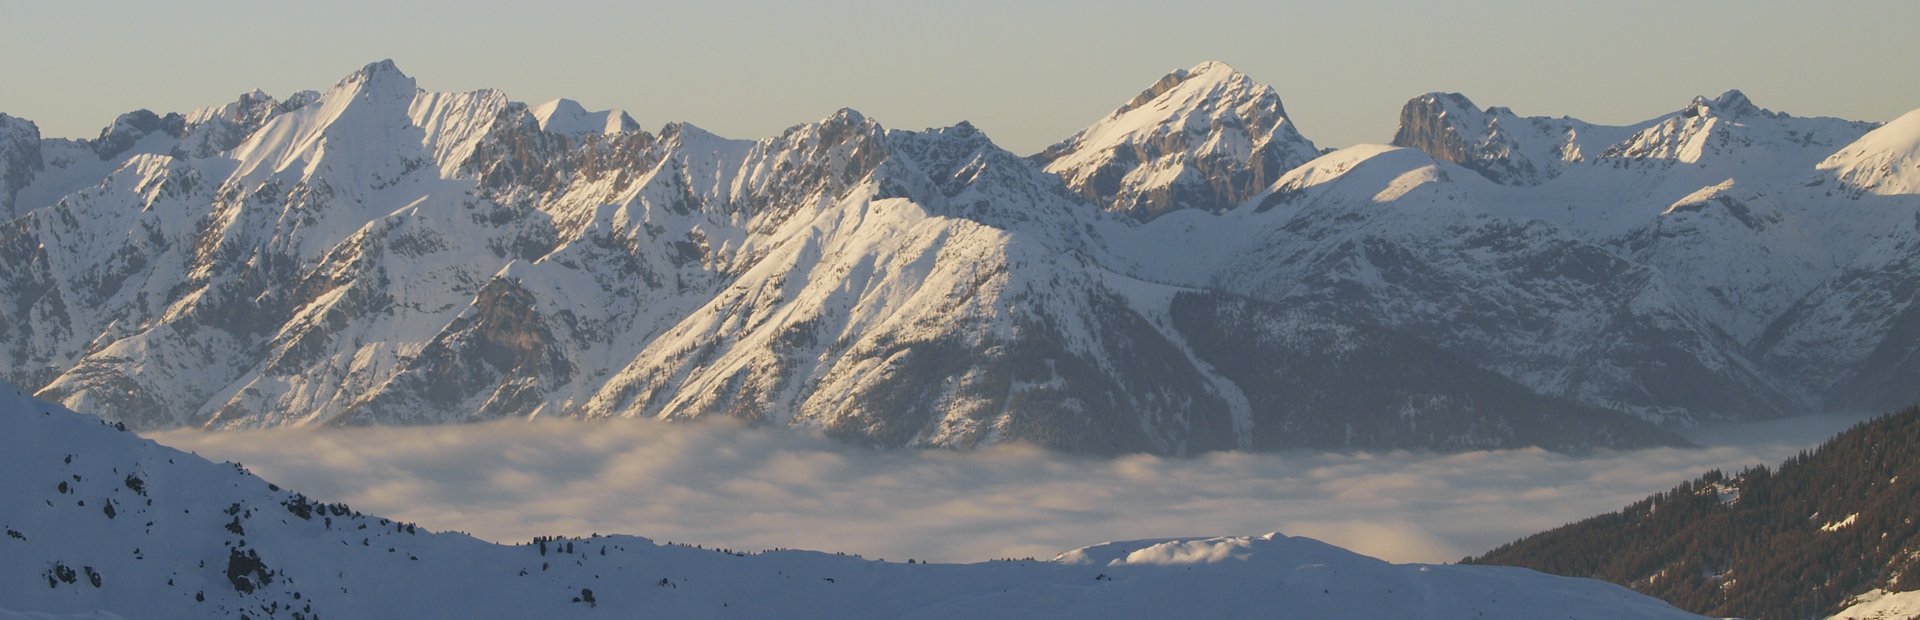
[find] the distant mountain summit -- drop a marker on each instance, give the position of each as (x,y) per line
(1188,274)
(1206,138)
(566,117)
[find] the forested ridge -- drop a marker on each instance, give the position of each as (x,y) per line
(1793,542)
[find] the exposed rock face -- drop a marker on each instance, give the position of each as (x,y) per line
(1503,147)
(1203,138)
(19,160)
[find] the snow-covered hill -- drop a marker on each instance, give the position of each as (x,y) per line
(1882,605)
(101,523)
(1885,162)
(381,254)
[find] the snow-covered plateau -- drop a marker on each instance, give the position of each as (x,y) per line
(101,523)
(1188,274)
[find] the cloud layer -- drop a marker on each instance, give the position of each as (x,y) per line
(748,488)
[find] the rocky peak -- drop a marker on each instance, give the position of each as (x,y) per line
(810,162)
(129,128)
(957,157)
(1732,103)
(844,130)
(20,160)
(1503,147)
(1207,137)
(1709,128)
(843,122)
(1208,77)
(686,132)
(1445,125)
(299,100)
(215,129)
(689,139)
(252,105)
(381,78)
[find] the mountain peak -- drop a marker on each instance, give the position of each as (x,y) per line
(560,106)
(1733,98)
(846,124)
(249,102)
(1454,99)
(1205,137)
(1730,103)
(1502,146)
(1202,77)
(846,116)
(20,160)
(566,116)
(384,65)
(1710,128)
(1442,108)
(686,131)
(1212,68)
(381,76)
(128,129)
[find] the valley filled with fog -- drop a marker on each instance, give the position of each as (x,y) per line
(755,488)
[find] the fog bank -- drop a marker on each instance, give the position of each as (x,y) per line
(750,488)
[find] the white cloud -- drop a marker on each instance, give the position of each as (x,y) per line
(746,488)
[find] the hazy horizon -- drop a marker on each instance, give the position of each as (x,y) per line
(1027,75)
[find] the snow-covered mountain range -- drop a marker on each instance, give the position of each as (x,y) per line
(1190,273)
(100,523)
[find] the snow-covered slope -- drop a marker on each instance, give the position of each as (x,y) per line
(1886,161)
(1882,605)
(101,523)
(1855,340)
(1204,138)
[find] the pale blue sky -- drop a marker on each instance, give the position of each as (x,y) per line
(1029,73)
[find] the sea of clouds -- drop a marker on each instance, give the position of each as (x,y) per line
(759,488)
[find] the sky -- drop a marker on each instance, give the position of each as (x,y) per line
(1028,72)
(760,488)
